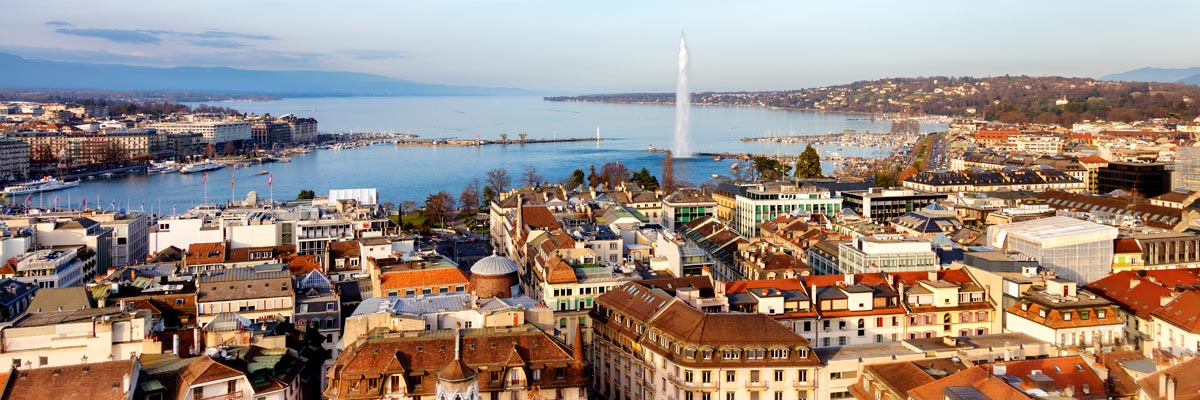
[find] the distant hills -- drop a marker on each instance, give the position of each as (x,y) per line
(1150,74)
(20,73)
(1015,99)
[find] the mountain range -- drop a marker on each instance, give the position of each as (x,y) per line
(21,73)
(1150,74)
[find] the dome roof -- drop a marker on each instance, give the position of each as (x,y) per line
(494,265)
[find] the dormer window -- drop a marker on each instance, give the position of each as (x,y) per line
(779,354)
(1100,313)
(1042,313)
(1067,316)
(731,354)
(689,353)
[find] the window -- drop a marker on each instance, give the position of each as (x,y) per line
(706,354)
(778,375)
(706,376)
(197,393)
(1067,316)
(233,386)
(778,395)
(537,374)
(688,376)
(754,375)
(730,376)
(43,360)
(1100,313)
(779,353)
(802,375)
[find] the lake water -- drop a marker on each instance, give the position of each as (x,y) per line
(410,173)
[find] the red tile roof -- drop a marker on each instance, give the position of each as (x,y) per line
(205,253)
(1066,372)
(1148,288)
(983,381)
(1126,245)
(1185,376)
(1183,312)
(421,278)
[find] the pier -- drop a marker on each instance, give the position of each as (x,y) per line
(482,142)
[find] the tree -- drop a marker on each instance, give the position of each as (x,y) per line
(469,198)
(668,173)
(644,179)
(439,207)
(808,166)
(504,137)
(593,178)
(489,195)
(210,151)
(577,178)
(498,180)
(887,173)
(770,169)
(523,137)
(229,148)
(306,194)
(614,173)
(530,175)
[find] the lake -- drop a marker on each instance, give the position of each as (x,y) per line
(411,173)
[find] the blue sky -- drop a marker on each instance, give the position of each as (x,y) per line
(617,46)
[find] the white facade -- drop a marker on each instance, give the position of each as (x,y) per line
(182,232)
(212,132)
(887,253)
(79,336)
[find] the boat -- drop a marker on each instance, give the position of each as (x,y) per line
(107,175)
(206,165)
(163,168)
(263,172)
(46,184)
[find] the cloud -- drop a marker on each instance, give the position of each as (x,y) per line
(368,54)
(114,35)
(209,38)
(75,55)
(218,43)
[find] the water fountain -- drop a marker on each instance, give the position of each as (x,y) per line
(683,102)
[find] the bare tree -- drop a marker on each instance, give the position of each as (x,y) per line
(504,137)
(498,180)
(469,198)
(614,173)
(530,175)
(668,174)
(522,138)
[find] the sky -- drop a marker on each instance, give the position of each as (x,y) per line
(616,46)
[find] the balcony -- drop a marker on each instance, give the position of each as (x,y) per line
(692,385)
(227,396)
(803,384)
(757,385)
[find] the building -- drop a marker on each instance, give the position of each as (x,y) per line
(252,292)
(521,362)
(14,160)
(1059,314)
(767,201)
(98,380)
(268,134)
(886,253)
(15,297)
(650,345)
(1176,326)
(130,236)
(1077,250)
(685,206)
(67,337)
(211,131)
(1143,179)
(883,204)
(1039,178)
(304,130)
(1140,294)
(1187,168)
(53,268)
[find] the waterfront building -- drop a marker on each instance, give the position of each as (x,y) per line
(1143,179)
(884,204)
(14,160)
(685,206)
(886,253)
(767,201)
(303,130)
(1077,250)
(664,348)
(213,132)
(268,134)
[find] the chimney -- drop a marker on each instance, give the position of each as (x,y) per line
(933,276)
(1162,384)
(125,384)
(175,345)
(1162,301)
(1171,382)
(849,279)
(577,350)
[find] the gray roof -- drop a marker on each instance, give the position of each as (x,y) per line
(56,299)
(415,305)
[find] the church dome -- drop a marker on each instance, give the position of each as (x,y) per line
(494,265)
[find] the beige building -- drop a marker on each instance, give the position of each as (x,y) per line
(57,338)
(252,292)
(650,345)
(14,160)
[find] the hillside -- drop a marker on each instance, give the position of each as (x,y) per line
(1150,74)
(1005,98)
(20,73)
